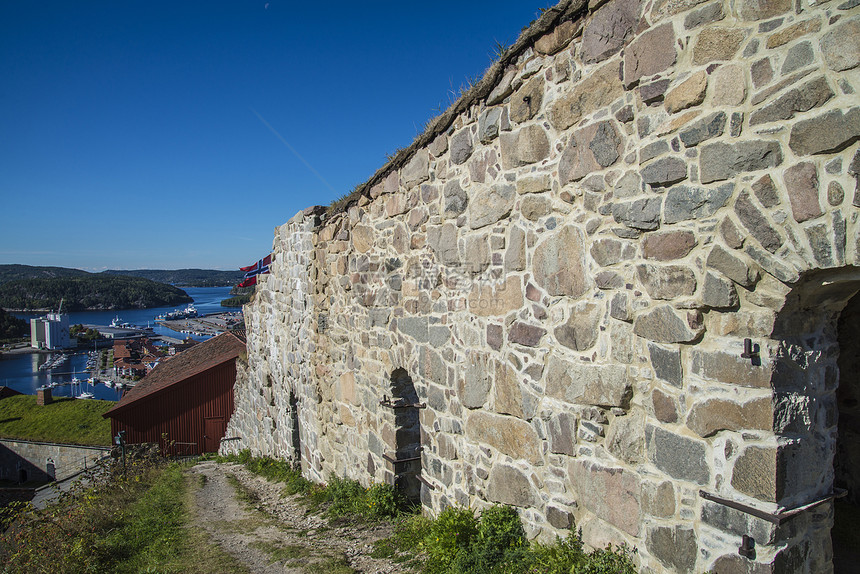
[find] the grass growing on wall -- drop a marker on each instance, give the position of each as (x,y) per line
(65,420)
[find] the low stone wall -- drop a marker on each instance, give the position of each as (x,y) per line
(610,287)
(10,495)
(42,461)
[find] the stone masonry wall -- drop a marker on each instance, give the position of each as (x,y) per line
(567,273)
(34,458)
(278,366)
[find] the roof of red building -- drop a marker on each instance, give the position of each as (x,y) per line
(121,351)
(186,344)
(183,366)
(8,392)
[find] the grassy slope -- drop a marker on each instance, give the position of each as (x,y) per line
(64,421)
(136,523)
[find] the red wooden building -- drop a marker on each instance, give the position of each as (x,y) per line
(185,402)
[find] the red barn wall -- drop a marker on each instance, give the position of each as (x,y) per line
(180,411)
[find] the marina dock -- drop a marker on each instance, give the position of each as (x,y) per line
(207,326)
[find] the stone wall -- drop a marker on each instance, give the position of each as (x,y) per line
(280,327)
(36,458)
(612,276)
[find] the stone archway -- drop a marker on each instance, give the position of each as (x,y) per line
(403,434)
(295,435)
(815,334)
(846,460)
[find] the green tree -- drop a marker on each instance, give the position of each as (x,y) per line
(11,327)
(90,292)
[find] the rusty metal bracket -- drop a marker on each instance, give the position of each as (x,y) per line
(425,482)
(747,547)
(750,350)
(386,402)
(779,516)
(396,460)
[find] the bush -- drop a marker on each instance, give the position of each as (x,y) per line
(609,561)
(458,543)
(450,534)
(558,558)
(380,501)
(499,544)
(345,496)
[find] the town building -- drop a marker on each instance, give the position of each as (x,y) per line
(136,357)
(50,332)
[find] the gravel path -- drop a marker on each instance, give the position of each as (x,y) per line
(251,520)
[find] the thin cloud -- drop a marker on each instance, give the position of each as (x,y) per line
(28,253)
(292,149)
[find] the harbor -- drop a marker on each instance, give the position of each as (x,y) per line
(26,369)
(98,370)
(206,326)
(70,378)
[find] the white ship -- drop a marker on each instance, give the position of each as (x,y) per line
(187,313)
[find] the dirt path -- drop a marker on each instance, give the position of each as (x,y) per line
(247,516)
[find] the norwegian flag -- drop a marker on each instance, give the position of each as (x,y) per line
(251,271)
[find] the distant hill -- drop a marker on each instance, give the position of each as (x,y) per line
(185,277)
(12,272)
(89,292)
(236,290)
(180,277)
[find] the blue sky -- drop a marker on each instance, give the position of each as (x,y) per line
(135,134)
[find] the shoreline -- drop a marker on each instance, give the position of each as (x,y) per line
(91,310)
(26,350)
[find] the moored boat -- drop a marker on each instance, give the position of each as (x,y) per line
(189,312)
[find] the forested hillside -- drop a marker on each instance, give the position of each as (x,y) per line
(180,277)
(89,292)
(184,277)
(12,327)
(11,272)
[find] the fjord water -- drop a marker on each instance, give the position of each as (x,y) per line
(21,371)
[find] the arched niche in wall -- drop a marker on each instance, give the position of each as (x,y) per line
(295,435)
(404,442)
(816,386)
(846,459)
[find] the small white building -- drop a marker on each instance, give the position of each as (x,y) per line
(50,332)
